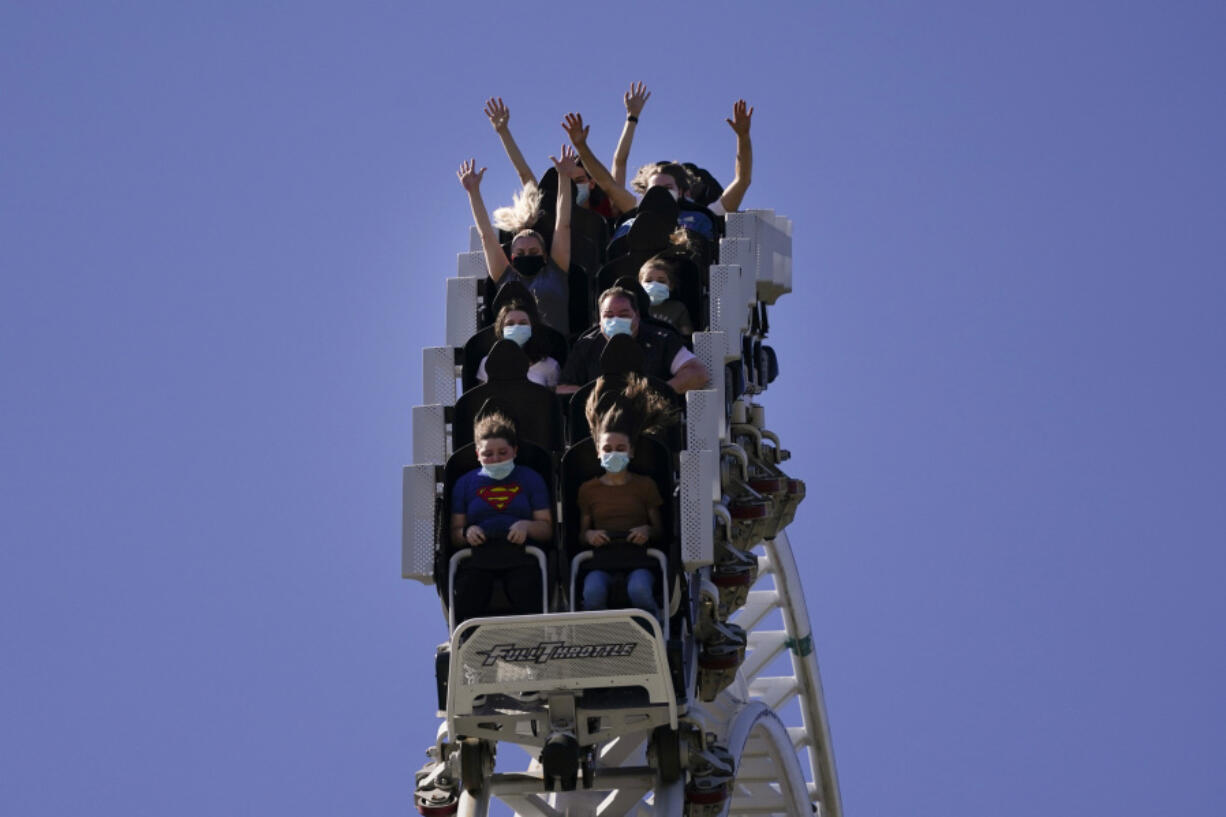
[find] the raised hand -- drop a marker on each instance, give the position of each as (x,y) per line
(636,98)
(498,113)
(741,114)
(469,177)
(567,166)
(575,129)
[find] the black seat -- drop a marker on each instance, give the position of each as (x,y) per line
(532,407)
(622,357)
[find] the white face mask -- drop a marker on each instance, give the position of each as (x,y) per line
(518,332)
(615,326)
(614,461)
(657,292)
(498,470)
(582,192)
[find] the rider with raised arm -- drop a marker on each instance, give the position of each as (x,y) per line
(589,194)
(624,200)
(544,276)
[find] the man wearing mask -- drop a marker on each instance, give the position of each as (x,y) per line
(665,353)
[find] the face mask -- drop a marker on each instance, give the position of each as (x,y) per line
(657,292)
(582,192)
(518,332)
(498,470)
(615,326)
(528,264)
(676,194)
(614,461)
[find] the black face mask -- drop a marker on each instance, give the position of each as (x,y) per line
(528,264)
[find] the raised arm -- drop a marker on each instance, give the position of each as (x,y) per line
(500,118)
(566,168)
(622,198)
(635,99)
(495,259)
(735,192)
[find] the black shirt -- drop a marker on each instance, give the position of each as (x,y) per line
(660,345)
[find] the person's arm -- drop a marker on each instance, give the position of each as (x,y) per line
(620,197)
(500,117)
(595,538)
(538,528)
(463,533)
(635,99)
(559,250)
(691,375)
(735,192)
(495,259)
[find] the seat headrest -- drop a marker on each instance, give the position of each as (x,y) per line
(659,200)
(516,291)
(622,355)
(631,283)
(506,361)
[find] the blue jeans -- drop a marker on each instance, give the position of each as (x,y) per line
(640,587)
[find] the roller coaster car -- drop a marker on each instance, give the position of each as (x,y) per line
(563,683)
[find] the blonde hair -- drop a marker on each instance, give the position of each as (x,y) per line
(524,211)
(642,179)
(631,407)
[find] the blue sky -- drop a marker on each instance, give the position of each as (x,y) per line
(224,230)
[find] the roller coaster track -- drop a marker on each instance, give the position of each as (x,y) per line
(767,727)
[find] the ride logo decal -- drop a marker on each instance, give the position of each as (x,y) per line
(498,496)
(547,651)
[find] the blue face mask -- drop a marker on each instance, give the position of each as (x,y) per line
(582,192)
(498,470)
(657,292)
(615,326)
(518,332)
(614,461)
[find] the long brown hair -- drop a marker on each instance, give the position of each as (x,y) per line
(629,406)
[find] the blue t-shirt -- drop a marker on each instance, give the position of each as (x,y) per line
(496,504)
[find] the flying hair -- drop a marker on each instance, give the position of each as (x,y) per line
(630,406)
(524,211)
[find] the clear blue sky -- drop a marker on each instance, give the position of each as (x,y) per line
(224,230)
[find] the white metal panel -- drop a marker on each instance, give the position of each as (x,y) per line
(429,435)
(472,264)
(461,310)
(711,350)
(419,490)
(474,239)
(438,375)
(728,310)
(697,523)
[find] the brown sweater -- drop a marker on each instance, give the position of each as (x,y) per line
(619,507)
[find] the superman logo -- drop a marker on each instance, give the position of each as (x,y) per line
(498,496)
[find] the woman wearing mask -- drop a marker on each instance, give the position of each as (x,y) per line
(515,322)
(659,280)
(620,506)
(545,276)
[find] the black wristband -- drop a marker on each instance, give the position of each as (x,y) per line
(631,118)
